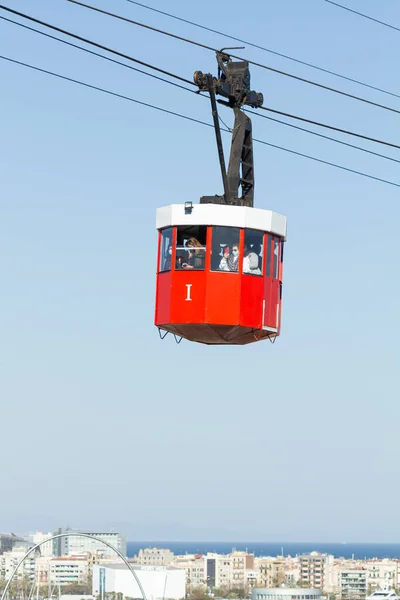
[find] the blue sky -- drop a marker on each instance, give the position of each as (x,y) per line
(104,425)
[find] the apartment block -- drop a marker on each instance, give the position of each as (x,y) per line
(271,572)
(9,560)
(63,571)
(195,570)
(382,574)
(317,571)
(154,556)
(353,583)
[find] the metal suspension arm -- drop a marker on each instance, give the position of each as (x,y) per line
(241,164)
(233,83)
(214,108)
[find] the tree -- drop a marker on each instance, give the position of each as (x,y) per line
(239,591)
(75,588)
(198,594)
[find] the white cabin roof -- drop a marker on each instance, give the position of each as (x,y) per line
(220,215)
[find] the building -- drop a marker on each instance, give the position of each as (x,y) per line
(8,541)
(241,564)
(235,570)
(251,579)
(154,556)
(282,593)
(64,571)
(158,582)
(381,574)
(194,566)
(59,544)
(42,568)
(46,549)
(9,560)
(292,575)
(317,571)
(76,544)
(353,583)
(218,570)
(271,572)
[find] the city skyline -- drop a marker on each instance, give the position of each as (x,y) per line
(87,564)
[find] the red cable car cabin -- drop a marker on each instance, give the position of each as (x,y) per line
(205,293)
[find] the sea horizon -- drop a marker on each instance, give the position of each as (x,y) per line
(356,550)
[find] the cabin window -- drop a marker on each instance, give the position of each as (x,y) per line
(253,252)
(276,258)
(191,247)
(268,257)
(225,252)
(165,250)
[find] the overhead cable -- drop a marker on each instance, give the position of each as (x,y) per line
(363,15)
(117,62)
(252,62)
(48,35)
(347,132)
(325,137)
(303,119)
(274,52)
(82,39)
(158,108)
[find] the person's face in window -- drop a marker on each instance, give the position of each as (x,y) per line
(235,250)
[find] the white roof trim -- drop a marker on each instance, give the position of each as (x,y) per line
(217,214)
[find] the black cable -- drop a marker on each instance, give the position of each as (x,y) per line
(325,137)
(99,55)
(164,110)
(117,62)
(82,39)
(363,15)
(193,92)
(99,89)
(236,39)
(361,136)
(178,37)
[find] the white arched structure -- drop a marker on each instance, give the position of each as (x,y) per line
(67,534)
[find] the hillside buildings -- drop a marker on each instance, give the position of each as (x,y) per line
(87,562)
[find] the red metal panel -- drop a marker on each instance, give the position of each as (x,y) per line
(223,298)
(251,301)
(188,296)
(272,283)
(267,281)
(273,313)
(157,267)
(163,298)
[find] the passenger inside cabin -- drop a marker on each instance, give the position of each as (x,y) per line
(196,255)
(230,260)
(167,259)
(250,261)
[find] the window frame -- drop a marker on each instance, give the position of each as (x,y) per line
(178,229)
(162,257)
(239,239)
(260,266)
